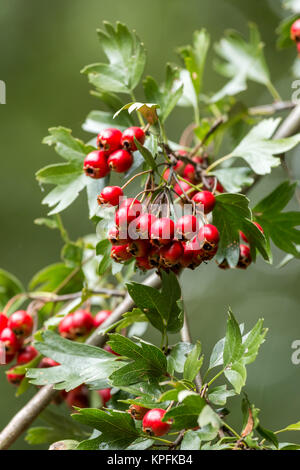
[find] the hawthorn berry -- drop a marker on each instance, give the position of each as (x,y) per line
(154,256)
(137,412)
(207,199)
(10,340)
(128,136)
(245,257)
(171,254)
(153,424)
(66,328)
(48,362)
(3,321)
(162,231)
(13,378)
(295,30)
(110,195)
(209,236)
(186,227)
(109,140)
(139,248)
(143,225)
(189,172)
(21,323)
(26,355)
(83,322)
(120,161)
(120,253)
(186,259)
(101,317)
(105,395)
(78,397)
(183,187)
(244,236)
(95,164)
(129,210)
(143,263)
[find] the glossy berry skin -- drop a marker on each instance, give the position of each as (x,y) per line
(105,395)
(21,323)
(107,348)
(11,342)
(129,210)
(143,263)
(295,30)
(137,412)
(66,328)
(78,397)
(162,231)
(186,227)
(186,259)
(209,236)
(13,378)
(26,355)
(243,236)
(153,424)
(143,225)
(3,321)
(101,317)
(139,248)
(83,322)
(95,164)
(207,199)
(48,362)
(245,257)
(171,254)
(110,195)
(128,136)
(120,253)
(109,140)
(189,172)
(184,187)
(120,161)
(118,236)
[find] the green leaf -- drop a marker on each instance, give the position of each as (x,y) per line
(127,58)
(236,375)
(62,196)
(79,363)
(68,147)
(9,287)
(128,318)
(104,248)
(96,121)
(147,155)
(218,395)
(232,215)
(293,5)
(117,428)
(148,110)
(193,363)
(284,31)
(179,354)
(190,441)
(72,254)
(234,179)
(168,94)
(233,349)
(209,417)
(59,174)
(195,57)
(242,61)
(292,427)
(148,361)
(50,278)
(268,435)
(141,444)
(50,223)
(258,149)
(280,226)
(186,414)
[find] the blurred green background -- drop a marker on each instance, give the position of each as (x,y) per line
(43,45)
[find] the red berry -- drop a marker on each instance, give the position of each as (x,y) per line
(120,161)
(13,378)
(3,321)
(107,348)
(209,236)
(21,323)
(7,359)
(186,259)
(189,172)
(143,263)
(101,317)
(95,164)
(66,327)
(139,248)
(78,397)
(129,210)
(109,140)
(105,395)
(128,138)
(110,195)
(244,236)
(198,159)
(171,254)
(137,412)
(153,424)
(26,355)
(83,322)
(143,225)
(187,227)
(162,231)
(207,199)
(154,256)
(183,187)
(295,30)
(245,257)
(120,253)
(118,236)
(10,340)
(48,362)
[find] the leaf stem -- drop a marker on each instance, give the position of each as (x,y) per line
(218,162)
(136,176)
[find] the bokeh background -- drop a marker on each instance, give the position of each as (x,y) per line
(43,45)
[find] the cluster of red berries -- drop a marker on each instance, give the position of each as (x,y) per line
(159,242)
(115,152)
(151,419)
(295,33)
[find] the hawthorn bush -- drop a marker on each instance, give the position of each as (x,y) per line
(76,333)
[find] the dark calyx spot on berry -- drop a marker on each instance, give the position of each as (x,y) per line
(148,431)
